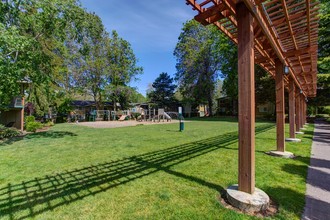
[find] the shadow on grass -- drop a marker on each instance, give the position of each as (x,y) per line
(215,119)
(50,134)
(307,134)
(314,162)
(290,202)
(226,119)
(316,177)
(290,199)
(43,134)
(35,196)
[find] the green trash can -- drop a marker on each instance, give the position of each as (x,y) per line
(181,119)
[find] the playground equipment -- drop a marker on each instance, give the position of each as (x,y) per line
(156,115)
(77,115)
(101,115)
(113,115)
(161,114)
(122,115)
(173,115)
(167,116)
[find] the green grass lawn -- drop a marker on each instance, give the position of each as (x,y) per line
(143,172)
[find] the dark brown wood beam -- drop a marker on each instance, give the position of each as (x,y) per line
(300,51)
(280,114)
(297,109)
(246,100)
(194,4)
(292,109)
(263,22)
(210,12)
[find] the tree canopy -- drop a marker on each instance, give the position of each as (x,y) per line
(324,38)
(323,78)
(163,91)
(198,62)
(64,50)
(32,33)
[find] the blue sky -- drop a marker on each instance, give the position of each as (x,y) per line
(151,26)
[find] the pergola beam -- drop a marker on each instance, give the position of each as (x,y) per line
(262,20)
(284,29)
(286,14)
(301,51)
(210,12)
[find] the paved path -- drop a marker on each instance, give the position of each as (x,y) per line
(318,178)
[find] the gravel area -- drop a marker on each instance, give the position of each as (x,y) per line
(117,124)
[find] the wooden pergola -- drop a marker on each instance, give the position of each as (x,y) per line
(281,37)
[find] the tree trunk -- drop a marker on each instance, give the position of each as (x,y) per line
(114,105)
(210,101)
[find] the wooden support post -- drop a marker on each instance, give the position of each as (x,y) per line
(280,117)
(301,111)
(297,109)
(246,100)
(292,108)
(304,114)
(305,111)
(22,115)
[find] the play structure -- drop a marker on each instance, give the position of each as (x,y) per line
(104,115)
(141,112)
(155,115)
(161,114)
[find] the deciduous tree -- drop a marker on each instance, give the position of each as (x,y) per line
(198,62)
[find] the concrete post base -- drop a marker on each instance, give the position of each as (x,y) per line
(258,201)
(292,140)
(299,132)
(284,154)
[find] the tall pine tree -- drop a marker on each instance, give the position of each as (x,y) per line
(163,91)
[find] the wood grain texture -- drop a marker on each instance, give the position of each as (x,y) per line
(246,100)
(280,110)
(292,109)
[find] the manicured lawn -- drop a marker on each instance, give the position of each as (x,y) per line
(143,172)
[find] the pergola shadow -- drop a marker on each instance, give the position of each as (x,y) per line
(35,196)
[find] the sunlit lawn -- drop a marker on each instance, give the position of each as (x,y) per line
(143,172)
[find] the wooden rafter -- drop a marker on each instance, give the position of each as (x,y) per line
(283,29)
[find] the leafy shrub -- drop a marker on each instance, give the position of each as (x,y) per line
(49,124)
(135,115)
(8,132)
(61,119)
(33,126)
(30,119)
